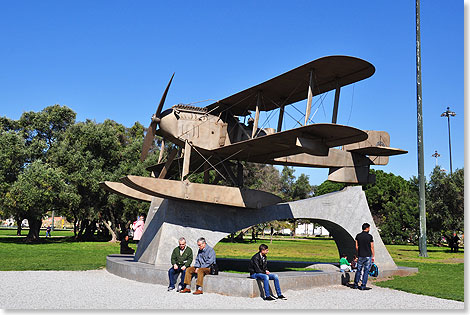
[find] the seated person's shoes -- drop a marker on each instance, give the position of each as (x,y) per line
(171,288)
(185,290)
(282,297)
(269,298)
(198,292)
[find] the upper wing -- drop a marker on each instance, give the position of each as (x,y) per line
(314,139)
(292,86)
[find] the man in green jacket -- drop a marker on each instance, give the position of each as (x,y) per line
(181,258)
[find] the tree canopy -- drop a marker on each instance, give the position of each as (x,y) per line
(51,162)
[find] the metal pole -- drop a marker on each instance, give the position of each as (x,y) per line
(447,114)
(450,147)
(436,155)
(422,197)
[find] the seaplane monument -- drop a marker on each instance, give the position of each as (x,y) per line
(213,138)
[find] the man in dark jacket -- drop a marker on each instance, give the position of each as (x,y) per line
(366,256)
(181,258)
(259,270)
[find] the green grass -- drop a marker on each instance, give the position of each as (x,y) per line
(434,279)
(42,233)
(440,275)
(60,252)
(312,249)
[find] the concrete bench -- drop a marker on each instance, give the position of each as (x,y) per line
(238,284)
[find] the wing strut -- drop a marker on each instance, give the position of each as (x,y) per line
(335,108)
(258,104)
(309,97)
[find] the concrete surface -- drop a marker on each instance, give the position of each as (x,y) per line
(101,290)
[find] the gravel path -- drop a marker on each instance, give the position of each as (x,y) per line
(98,289)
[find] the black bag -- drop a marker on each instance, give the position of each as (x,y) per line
(214,269)
(374,270)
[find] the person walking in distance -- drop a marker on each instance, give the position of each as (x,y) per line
(366,255)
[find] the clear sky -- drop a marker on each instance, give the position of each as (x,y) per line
(113,59)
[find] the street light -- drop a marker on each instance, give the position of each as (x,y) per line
(436,155)
(447,114)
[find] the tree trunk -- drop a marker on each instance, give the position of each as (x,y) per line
(34,228)
(83,224)
(113,234)
(272,232)
(90,230)
(75,227)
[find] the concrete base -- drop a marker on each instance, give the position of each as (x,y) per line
(342,213)
(241,284)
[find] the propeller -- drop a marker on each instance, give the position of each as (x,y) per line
(152,129)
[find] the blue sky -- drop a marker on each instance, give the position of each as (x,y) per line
(113,59)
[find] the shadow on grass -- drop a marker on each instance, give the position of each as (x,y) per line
(43,240)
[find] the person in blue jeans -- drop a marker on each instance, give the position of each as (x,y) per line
(259,270)
(366,255)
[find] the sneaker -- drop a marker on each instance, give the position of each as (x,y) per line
(269,298)
(282,297)
(185,290)
(354,287)
(179,288)
(171,288)
(364,288)
(198,292)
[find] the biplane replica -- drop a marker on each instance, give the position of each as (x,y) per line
(214,138)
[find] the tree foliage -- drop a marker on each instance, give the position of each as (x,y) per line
(50,162)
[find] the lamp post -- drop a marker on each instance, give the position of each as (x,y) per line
(447,114)
(422,241)
(436,155)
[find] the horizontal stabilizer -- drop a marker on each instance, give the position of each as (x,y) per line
(378,151)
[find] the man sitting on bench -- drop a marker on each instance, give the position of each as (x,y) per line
(259,270)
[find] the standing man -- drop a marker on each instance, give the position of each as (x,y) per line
(181,258)
(366,255)
(205,257)
(259,270)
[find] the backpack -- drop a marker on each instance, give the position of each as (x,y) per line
(374,270)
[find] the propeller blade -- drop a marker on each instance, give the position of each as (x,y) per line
(148,140)
(152,129)
(162,101)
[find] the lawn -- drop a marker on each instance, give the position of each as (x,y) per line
(60,252)
(440,275)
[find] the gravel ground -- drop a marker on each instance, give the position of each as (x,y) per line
(98,289)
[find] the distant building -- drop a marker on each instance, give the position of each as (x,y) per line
(309,229)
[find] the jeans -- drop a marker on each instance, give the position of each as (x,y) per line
(266,278)
(362,263)
(173,275)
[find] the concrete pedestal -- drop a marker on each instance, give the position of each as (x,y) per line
(342,213)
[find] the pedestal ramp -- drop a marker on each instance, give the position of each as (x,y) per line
(342,213)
